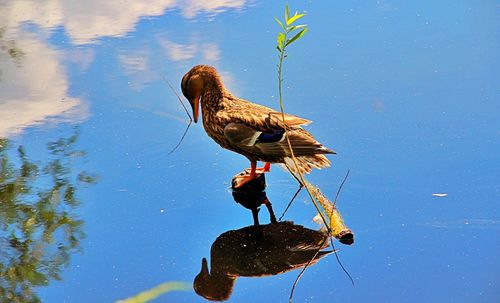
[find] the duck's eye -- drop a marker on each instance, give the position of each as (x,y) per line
(184,85)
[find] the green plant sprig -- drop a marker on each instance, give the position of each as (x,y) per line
(283,41)
(299,30)
(288,28)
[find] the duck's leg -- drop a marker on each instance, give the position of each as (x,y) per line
(252,172)
(259,170)
(264,169)
(255,214)
(248,176)
(270,209)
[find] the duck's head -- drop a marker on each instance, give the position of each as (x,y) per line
(194,83)
(213,287)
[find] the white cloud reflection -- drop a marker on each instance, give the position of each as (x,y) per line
(33,90)
(178,52)
(133,62)
(211,52)
(182,52)
(137,63)
(82,58)
(194,7)
(36,90)
(86,21)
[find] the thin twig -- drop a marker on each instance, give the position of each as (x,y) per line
(187,113)
(340,262)
(331,241)
(290,203)
(182,138)
(340,188)
(290,298)
(178,97)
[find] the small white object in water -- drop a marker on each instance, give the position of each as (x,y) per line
(440,195)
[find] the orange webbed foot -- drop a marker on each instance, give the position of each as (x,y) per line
(242,179)
(250,174)
(264,169)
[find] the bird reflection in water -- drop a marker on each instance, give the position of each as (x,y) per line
(258,250)
(252,195)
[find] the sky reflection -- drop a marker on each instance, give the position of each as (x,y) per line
(33,95)
(87,22)
(34,86)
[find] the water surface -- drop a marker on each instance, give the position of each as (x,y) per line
(406,93)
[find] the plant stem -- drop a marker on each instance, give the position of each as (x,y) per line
(301,176)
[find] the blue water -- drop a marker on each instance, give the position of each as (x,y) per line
(407,94)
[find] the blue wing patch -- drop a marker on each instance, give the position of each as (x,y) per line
(271,137)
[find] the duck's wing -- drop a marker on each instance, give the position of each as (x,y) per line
(259,133)
(275,119)
(271,142)
(261,117)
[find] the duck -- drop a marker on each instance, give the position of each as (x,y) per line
(257,251)
(252,130)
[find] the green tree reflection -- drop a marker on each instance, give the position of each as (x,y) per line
(39,226)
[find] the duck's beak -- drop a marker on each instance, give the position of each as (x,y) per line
(204,267)
(195,105)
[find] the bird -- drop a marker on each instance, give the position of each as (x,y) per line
(252,130)
(257,251)
(252,195)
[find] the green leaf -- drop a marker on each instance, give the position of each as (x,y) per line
(294,18)
(279,22)
(297,36)
(287,13)
(281,40)
(292,28)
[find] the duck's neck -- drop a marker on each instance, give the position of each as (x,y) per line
(214,92)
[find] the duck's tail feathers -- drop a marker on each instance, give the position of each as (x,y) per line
(306,163)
